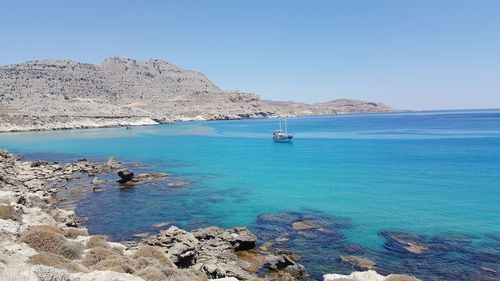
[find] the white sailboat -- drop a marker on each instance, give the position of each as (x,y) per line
(280,135)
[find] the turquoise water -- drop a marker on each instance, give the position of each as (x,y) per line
(430,173)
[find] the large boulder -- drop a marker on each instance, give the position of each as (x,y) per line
(179,245)
(125,175)
(282,266)
(241,238)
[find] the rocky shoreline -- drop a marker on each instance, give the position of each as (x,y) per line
(39,241)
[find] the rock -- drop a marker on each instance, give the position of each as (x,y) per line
(9,229)
(125,175)
(141,235)
(46,273)
(224,279)
(284,265)
(180,245)
(265,247)
(241,238)
(160,224)
(113,163)
(405,242)
(97,181)
(401,277)
(178,183)
(149,177)
(208,233)
(105,275)
(67,217)
(18,273)
(369,275)
(306,224)
(222,270)
(38,163)
(15,253)
(251,260)
(358,262)
(34,184)
(97,189)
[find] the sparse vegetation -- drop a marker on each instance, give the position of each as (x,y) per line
(118,264)
(151,274)
(152,252)
(54,260)
(45,238)
(184,275)
(72,232)
(97,241)
(95,255)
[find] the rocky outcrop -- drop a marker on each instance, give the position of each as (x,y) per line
(62,94)
(125,175)
(369,275)
(180,245)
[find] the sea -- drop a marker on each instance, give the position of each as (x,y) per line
(368,185)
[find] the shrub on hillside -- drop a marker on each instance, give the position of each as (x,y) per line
(95,255)
(151,274)
(152,252)
(72,232)
(184,275)
(118,264)
(97,241)
(53,260)
(44,238)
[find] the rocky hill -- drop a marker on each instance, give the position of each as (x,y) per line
(40,95)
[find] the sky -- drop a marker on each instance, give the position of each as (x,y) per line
(410,54)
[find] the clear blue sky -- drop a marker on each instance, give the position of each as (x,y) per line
(411,54)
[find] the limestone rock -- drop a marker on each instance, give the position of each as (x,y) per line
(97,181)
(369,275)
(46,273)
(180,245)
(105,275)
(284,265)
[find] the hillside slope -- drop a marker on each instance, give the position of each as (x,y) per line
(40,95)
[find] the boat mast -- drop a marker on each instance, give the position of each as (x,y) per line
(279,118)
(286,128)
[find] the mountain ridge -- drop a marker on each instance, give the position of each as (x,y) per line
(63,94)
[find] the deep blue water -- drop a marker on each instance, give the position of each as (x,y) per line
(431,174)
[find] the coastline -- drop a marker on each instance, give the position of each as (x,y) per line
(28,196)
(47,123)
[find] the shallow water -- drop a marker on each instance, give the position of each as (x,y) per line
(430,173)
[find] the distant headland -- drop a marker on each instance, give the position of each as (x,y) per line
(64,94)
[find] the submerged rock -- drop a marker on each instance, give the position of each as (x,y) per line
(178,183)
(305,224)
(405,242)
(358,262)
(97,181)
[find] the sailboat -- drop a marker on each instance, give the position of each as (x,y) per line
(280,135)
